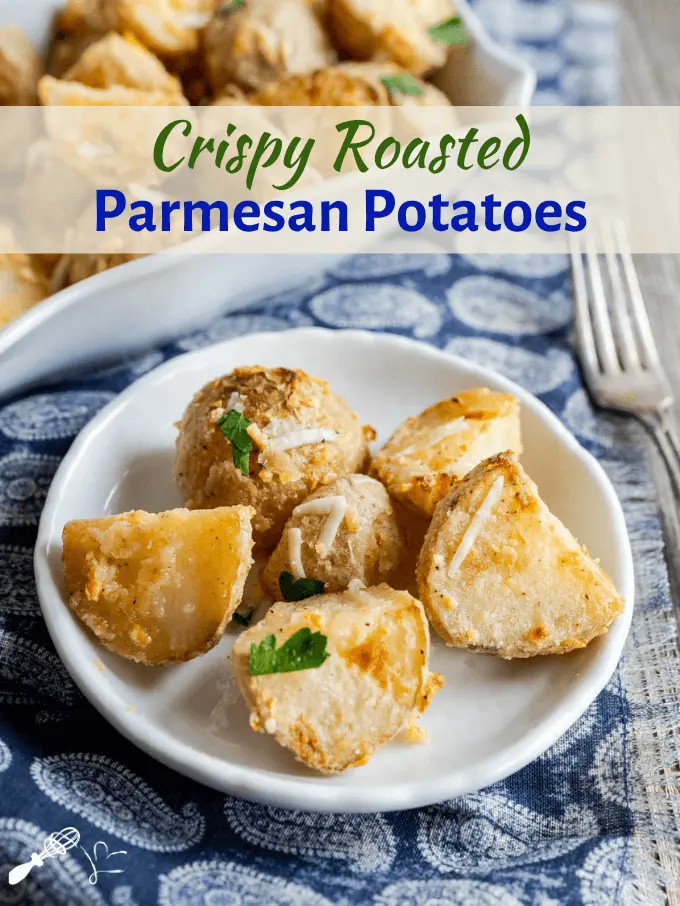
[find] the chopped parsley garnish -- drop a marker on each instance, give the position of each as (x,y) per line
(234,425)
(304,650)
(244,619)
(227,8)
(402,83)
(450,31)
(294,589)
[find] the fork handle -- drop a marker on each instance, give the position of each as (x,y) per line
(669,445)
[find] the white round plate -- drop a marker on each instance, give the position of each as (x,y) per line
(491,718)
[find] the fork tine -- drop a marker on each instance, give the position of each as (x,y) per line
(584,328)
(602,328)
(622,325)
(650,354)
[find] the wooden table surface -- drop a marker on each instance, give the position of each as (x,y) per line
(650,74)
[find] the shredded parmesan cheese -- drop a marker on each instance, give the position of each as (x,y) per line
(436,436)
(300,438)
(355,585)
(335,507)
(295,553)
(236,401)
(476,524)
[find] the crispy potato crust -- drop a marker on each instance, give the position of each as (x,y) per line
(429,454)
(158,588)
(499,573)
(368,545)
(274,400)
(374,682)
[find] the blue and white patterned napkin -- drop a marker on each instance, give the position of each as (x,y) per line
(569,829)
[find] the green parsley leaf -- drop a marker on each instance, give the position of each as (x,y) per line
(402,83)
(234,425)
(298,590)
(450,31)
(243,619)
(304,650)
(227,8)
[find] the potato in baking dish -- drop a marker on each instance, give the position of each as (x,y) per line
(499,573)
(374,682)
(263,41)
(303,437)
(346,530)
(430,453)
(158,588)
(375,30)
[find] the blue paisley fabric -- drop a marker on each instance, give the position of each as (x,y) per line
(558,832)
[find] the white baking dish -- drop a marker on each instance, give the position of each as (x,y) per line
(132,307)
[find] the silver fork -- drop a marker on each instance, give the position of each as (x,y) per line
(616,347)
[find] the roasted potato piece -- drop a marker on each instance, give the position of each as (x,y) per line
(344,85)
(158,588)
(262,41)
(167,27)
(22,280)
(304,437)
(20,68)
(347,530)
(431,453)
(498,573)
(115,60)
(373,29)
(374,681)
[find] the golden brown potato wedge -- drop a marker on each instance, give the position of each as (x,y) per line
(158,587)
(499,573)
(430,453)
(373,683)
